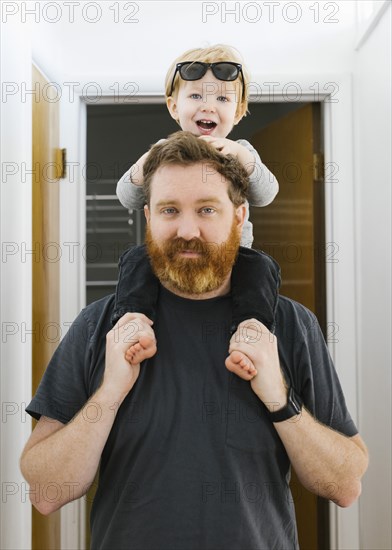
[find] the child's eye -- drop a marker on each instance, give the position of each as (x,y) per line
(195,96)
(222,98)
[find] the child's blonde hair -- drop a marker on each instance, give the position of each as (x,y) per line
(212,54)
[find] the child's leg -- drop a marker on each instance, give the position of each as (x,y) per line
(255,284)
(241,365)
(137,287)
(137,291)
(145,348)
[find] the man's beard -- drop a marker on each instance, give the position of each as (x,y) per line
(193,275)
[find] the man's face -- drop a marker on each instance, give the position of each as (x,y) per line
(193,228)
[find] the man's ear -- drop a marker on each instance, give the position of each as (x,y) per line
(147,214)
(240,215)
(172,107)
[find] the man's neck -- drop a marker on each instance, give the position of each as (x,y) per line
(220,291)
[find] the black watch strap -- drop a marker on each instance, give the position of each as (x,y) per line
(292,408)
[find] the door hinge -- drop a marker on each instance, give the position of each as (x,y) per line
(318,166)
(61,162)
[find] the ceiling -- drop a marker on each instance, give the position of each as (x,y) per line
(108,41)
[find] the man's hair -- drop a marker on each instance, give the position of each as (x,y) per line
(185,149)
(212,54)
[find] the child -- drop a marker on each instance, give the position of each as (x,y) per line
(201,102)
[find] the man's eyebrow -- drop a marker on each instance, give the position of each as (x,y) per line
(161,203)
(209,199)
(174,202)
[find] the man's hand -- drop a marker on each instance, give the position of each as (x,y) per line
(259,349)
(133,331)
(230,147)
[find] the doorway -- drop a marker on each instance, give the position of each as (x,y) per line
(118,135)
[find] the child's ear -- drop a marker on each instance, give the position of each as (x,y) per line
(172,107)
(238,117)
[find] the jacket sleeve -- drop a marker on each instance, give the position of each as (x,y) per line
(263,186)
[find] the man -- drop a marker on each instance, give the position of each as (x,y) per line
(193,447)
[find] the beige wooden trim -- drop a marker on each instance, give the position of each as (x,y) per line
(46,281)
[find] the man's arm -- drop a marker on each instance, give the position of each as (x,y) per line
(327,462)
(67,456)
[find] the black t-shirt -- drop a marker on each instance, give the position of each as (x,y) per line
(192,461)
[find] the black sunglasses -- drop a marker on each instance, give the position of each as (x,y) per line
(222,70)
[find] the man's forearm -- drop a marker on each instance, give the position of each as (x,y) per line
(62,467)
(327,463)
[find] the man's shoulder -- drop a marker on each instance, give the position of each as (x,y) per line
(294,317)
(98,313)
(288,306)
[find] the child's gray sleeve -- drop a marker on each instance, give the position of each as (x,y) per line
(130,195)
(263,186)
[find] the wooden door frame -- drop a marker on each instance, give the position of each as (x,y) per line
(335,93)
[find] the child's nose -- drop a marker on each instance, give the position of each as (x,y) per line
(208,105)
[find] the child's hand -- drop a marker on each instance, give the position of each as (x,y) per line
(137,170)
(224,145)
(230,147)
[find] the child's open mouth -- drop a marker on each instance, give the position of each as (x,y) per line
(206,125)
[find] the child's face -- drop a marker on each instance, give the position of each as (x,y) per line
(206,107)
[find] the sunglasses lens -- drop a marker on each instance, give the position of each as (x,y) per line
(192,71)
(226,71)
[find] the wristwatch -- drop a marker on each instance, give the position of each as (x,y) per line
(292,407)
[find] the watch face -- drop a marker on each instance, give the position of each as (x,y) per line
(293,401)
(292,408)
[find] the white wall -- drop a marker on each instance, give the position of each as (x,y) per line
(372,119)
(15,277)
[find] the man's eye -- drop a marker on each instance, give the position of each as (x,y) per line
(168,211)
(208,210)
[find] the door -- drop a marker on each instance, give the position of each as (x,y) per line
(291,229)
(46,289)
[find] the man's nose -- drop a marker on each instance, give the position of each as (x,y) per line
(188,228)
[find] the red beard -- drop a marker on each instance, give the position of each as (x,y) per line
(196,275)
